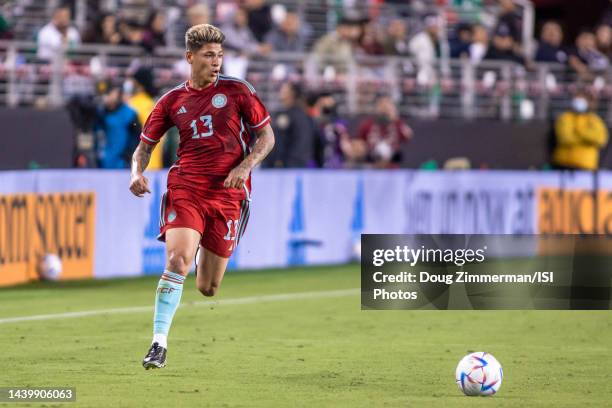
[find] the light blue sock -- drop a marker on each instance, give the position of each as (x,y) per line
(167,299)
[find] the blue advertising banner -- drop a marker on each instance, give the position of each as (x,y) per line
(305,217)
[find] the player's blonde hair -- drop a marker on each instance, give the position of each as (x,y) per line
(201,34)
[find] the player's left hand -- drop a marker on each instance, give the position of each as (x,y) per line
(237,177)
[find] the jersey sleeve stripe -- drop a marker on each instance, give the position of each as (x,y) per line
(229,78)
(148,140)
(248,193)
(176,88)
(242,142)
(263,122)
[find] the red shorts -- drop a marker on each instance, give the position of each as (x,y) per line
(220,222)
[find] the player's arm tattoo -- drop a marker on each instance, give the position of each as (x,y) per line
(139,185)
(262,147)
(141,157)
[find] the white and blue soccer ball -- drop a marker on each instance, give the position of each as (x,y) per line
(50,267)
(479,374)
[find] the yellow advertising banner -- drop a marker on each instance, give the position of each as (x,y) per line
(32,225)
(574,211)
(562,213)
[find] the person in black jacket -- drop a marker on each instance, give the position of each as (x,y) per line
(503,47)
(294,129)
(550,48)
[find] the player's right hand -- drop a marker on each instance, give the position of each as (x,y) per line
(139,185)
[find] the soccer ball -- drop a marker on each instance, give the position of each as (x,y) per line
(479,373)
(50,267)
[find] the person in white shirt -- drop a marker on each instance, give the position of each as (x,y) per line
(56,33)
(424,46)
(480,44)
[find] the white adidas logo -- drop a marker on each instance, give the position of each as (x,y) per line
(182,110)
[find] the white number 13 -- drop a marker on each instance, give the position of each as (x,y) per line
(207,120)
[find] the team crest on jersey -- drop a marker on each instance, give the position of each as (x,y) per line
(171,216)
(219,100)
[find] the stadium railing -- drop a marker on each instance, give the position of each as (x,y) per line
(446,89)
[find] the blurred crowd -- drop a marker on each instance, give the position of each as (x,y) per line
(256,28)
(310,131)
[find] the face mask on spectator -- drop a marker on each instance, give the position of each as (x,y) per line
(330,110)
(383,119)
(128,87)
(580,104)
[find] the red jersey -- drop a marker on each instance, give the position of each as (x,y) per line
(214,125)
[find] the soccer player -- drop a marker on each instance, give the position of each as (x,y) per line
(209,188)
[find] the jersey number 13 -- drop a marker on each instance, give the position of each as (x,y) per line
(208,126)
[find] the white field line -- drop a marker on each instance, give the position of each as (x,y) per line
(222,302)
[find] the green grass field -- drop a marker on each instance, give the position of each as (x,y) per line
(314,350)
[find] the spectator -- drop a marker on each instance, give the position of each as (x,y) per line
(295,131)
(259,18)
(396,40)
(460,43)
(288,36)
(425,45)
(550,48)
(603,35)
(104,31)
(384,134)
(586,60)
(56,34)
(118,130)
(580,135)
(238,35)
(84,113)
(131,32)
(503,47)
(240,44)
(197,14)
(142,90)
(333,145)
(480,43)
(510,20)
(82,108)
(336,48)
(370,43)
(154,34)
